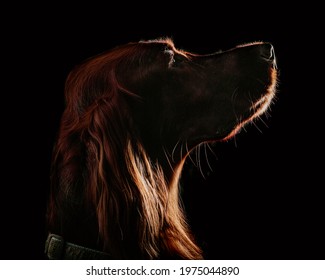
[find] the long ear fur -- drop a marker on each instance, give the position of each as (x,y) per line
(131,194)
(100,166)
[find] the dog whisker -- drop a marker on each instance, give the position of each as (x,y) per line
(167,157)
(181,150)
(173,151)
(195,152)
(260,81)
(188,152)
(256,126)
(234,95)
(206,155)
(262,121)
(199,160)
(126,150)
(235,139)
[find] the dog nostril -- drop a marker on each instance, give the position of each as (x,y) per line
(267,52)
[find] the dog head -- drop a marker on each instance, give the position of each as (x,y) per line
(132,116)
(179,97)
(182,99)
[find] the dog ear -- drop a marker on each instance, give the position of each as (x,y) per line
(100,166)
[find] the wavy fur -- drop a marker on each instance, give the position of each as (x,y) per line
(111,190)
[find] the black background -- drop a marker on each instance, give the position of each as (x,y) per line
(263,198)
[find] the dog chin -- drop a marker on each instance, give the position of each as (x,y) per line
(258,108)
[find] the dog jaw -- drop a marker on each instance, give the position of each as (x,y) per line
(259,107)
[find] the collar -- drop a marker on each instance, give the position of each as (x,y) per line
(56,248)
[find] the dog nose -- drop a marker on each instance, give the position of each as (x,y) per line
(267,52)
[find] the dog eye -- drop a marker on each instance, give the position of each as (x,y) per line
(178,60)
(170,54)
(169,51)
(175,59)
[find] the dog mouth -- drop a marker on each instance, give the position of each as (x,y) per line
(234,126)
(258,108)
(262,104)
(252,98)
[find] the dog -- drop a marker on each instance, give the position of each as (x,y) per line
(132,116)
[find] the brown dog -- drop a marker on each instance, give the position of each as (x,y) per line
(133,114)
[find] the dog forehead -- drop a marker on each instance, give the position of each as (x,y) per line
(165,41)
(161,45)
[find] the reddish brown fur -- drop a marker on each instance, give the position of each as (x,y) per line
(108,192)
